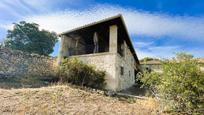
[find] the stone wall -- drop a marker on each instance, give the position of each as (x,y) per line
(105,62)
(127,62)
(16,63)
(111,63)
(202,69)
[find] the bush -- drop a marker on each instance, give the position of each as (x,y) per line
(75,72)
(180,86)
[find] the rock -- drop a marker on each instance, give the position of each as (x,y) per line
(110,93)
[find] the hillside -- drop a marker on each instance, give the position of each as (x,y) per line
(61,99)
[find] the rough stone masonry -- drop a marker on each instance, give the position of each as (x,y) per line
(15,63)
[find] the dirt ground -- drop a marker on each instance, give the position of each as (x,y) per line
(66,100)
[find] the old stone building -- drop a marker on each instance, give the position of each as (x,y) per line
(106,45)
(151,65)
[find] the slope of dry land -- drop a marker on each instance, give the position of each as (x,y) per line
(65,99)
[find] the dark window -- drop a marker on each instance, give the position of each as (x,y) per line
(129,73)
(121,49)
(71,51)
(121,70)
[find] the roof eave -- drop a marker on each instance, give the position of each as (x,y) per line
(104,20)
(91,24)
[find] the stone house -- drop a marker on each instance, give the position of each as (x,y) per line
(156,65)
(201,63)
(106,45)
(152,65)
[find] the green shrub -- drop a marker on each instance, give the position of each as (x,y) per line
(180,86)
(75,72)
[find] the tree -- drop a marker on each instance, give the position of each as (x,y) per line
(146,59)
(180,86)
(27,37)
(183,56)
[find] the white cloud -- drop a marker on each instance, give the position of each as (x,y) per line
(149,49)
(138,22)
(37,3)
(6,26)
(52,2)
(16,8)
(142,53)
(157,51)
(167,51)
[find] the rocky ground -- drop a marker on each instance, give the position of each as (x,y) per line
(62,100)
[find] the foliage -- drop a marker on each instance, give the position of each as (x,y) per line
(27,37)
(131,100)
(180,85)
(74,71)
(145,59)
(183,56)
(201,64)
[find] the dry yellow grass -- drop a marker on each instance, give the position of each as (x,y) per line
(67,100)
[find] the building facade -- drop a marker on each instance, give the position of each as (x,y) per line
(151,65)
(106,45)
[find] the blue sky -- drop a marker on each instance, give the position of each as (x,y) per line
(158,28)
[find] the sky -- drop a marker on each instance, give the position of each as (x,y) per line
(158,28)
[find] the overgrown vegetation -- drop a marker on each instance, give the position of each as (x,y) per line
(180,86)
(75,72)
(145,59)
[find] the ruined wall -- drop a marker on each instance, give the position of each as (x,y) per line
(111,63)
(105,62)
(16,63)
(127,62)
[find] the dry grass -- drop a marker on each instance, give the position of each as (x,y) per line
(61,100)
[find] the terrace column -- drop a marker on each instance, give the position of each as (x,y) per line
(113,37)
(113,80)
(64,49)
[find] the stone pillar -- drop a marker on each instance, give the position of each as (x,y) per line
(113,79)
(113,38)
(63,51)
